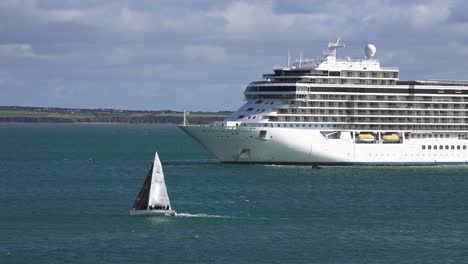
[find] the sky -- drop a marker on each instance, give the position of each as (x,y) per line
(199,55)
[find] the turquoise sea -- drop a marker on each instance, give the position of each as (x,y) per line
(65,191)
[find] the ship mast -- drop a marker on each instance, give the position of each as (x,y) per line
(185,123)
(332,47)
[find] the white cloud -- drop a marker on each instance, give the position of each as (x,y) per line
(64,15)
(422,15)
(17,50)
(204,53)
(135,21)
(247,19)
(114,18)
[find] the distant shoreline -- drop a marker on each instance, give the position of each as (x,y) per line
(19,114)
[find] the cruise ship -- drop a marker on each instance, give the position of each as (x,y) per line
(346,111)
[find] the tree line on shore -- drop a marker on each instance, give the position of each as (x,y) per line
(65,115)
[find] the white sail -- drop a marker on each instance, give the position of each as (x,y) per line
(158,192)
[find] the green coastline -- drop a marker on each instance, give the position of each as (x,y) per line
(20,114)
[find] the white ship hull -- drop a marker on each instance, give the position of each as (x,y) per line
(308,146)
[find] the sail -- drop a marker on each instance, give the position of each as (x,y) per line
(141,202)
(158,192)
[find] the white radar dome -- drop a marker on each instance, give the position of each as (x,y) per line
(370,50)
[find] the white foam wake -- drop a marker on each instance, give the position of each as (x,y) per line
(200,215)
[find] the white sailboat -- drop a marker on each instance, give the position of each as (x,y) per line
(153,198)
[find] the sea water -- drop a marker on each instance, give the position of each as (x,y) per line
(66,190)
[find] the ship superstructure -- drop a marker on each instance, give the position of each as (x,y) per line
(343,111)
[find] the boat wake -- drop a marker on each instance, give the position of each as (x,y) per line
(201,215)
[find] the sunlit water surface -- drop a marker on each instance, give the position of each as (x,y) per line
(66,191)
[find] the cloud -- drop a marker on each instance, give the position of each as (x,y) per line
(422,15)
(17,50)
(205,53)
(244,19)
(144,54)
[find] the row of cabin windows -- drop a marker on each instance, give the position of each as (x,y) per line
(416,100)
(270,96)
(260,101)
(376,74)
(442,147)
(297,125)
(376,119)
(400,127)
(370,74)
(242,116)
(460,136)
(389,97)
(249,117)
(440,106)
(375,127)
(351,81)
(258,110)
(396,111)
(303,125)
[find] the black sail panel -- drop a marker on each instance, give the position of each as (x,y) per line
(141,202)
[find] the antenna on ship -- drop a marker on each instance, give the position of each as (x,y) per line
(300,58)
(289,59)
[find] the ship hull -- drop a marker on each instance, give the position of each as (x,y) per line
(309,146)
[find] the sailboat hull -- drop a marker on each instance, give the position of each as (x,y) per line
(153,212)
